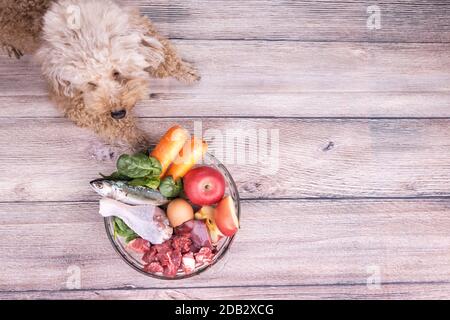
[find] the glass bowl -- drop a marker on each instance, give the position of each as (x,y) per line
(134,259)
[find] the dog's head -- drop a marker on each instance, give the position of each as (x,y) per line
(91,49)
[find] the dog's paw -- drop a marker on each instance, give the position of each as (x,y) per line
(11,51)
(188,73)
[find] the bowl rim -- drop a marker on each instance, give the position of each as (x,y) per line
(224,249)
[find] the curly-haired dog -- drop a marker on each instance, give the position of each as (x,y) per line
(97,56)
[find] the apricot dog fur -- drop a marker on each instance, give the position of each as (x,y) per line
(97,56)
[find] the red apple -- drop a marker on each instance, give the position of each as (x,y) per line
(225,217)
(204,186)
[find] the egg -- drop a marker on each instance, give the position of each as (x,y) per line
(179,211)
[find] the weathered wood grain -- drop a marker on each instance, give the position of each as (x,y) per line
(405,20)
(334,244)
(285,59)
(279,105)
(51,159)
(387,291)
(281,79)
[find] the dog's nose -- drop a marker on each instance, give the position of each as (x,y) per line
(119,114)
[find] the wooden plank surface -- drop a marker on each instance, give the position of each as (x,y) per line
(310,243)
(407,291)
(363,180)
(280,79)
(403,20)
(313,158)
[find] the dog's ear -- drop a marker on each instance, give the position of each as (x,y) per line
(159,53)
(150,46)
(60,86)
(153,51)
(54,73)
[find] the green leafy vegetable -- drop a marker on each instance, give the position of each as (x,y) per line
(149,182)
(138,166)
(116,176)
(121,229)
(121,225)
(131,238)
(170,188)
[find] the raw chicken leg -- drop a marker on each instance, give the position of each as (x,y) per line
(149,222)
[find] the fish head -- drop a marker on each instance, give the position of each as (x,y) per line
(102,187)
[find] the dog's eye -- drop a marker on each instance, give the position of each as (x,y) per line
(116,75)
(92,85)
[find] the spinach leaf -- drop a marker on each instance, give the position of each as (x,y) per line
(170,188)
(131,238)
(149,182)
(138,166)
(116,176)
(121,229)
(118,231)
(120,224)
